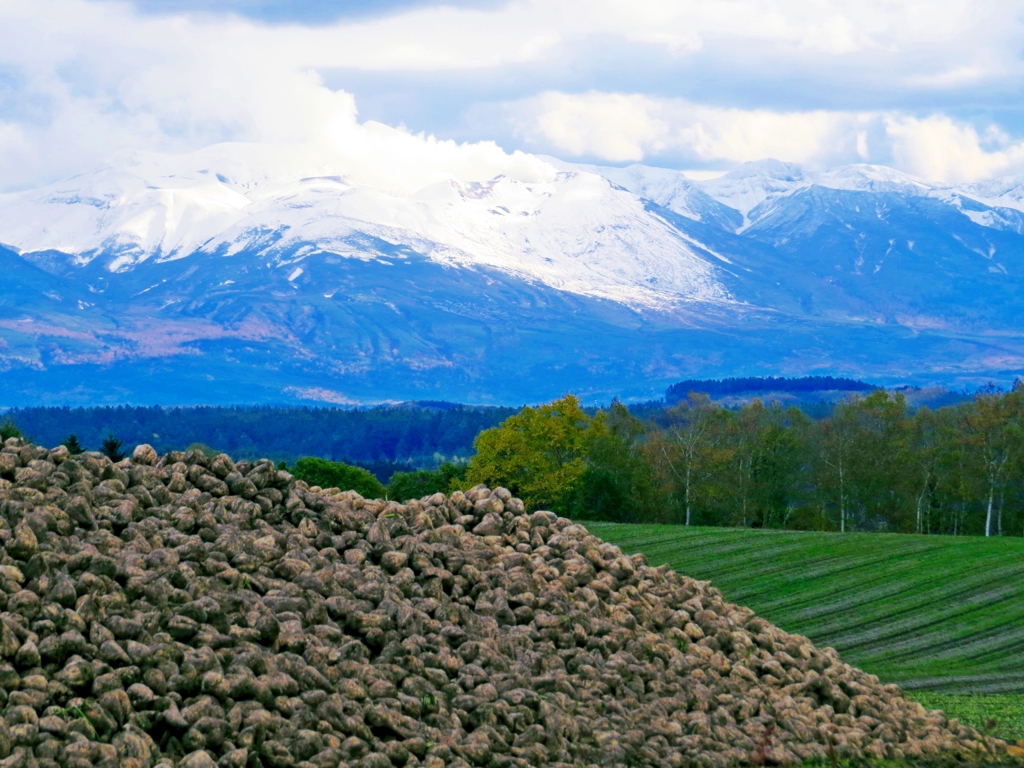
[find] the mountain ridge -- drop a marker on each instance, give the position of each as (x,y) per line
(602,280)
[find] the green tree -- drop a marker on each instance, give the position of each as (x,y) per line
(926,439)
(1013,490)
(767,464)
(416,485)
(618,483)
(8,429)
(957,475)
(539,454)
(992,430)
(335,474)
(836,445)
(73,446)
(688,453)
(112,448)
(884,470)
(206,450)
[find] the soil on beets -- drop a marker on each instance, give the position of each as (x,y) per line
(190,611)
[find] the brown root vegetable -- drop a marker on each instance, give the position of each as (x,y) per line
(181,610)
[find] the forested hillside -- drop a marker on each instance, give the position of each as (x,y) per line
(368,436)
(716,388)
(873,464)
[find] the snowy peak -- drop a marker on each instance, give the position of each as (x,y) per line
(668,188)
(578,232)
(752,183)
(641,236)
(748,186)
(220,261)
(1007,192)
(112,210)
(769,168)
(862,177)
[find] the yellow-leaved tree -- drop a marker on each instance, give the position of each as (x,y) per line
(540,454)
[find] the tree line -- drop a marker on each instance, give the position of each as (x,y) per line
(379,479)
(384,438)
(871,465)
(717,388)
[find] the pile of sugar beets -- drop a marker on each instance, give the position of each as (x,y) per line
(186,610)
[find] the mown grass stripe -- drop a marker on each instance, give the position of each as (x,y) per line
(942,612)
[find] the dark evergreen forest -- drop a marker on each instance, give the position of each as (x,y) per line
(382,438)
(715,388)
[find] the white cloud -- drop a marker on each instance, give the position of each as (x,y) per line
(938,148)
(622,128)
(110,80)
(532,30)
(396,161)
(611,126)
(82,80)
(633,127)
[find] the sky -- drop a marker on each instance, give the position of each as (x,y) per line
(469,89)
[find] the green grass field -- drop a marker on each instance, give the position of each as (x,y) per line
(942,616)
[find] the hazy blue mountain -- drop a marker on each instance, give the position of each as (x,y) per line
(210,278)
(898,259)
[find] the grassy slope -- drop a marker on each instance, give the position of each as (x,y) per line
(931,612)
(1001,715)
(942,616)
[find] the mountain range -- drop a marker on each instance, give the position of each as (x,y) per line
(239,274)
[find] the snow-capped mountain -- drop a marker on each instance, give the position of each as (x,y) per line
(669,189)
(752,183)
(576,232)
(1006,192)
(272,271)
(748,186)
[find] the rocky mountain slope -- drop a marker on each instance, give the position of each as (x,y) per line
(182,278)
(184,610)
